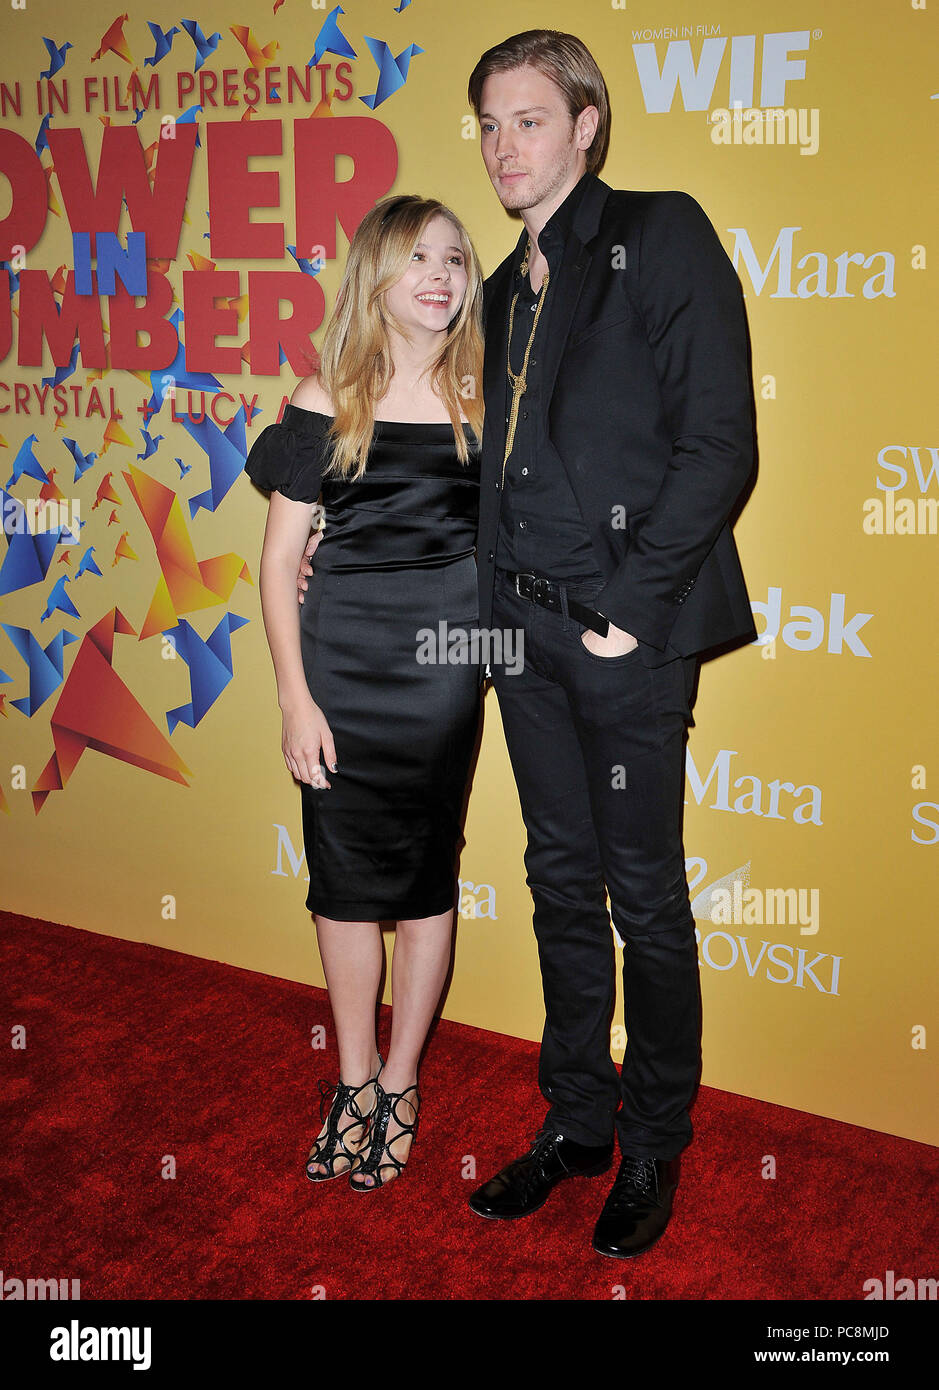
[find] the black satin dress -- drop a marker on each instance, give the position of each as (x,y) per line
(397,560)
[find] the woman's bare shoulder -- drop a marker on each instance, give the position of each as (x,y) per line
(310,394)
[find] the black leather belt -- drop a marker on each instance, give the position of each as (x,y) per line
(547,594)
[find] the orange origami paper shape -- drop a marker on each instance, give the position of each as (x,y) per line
(95,709)
(187,584)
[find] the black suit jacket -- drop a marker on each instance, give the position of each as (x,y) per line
(648,404)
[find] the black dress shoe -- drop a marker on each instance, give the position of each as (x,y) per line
(525,1184)
(638,1208)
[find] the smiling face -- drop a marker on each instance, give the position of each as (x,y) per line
(533,151)
(429,294)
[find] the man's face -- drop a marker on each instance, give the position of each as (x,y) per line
(527,138)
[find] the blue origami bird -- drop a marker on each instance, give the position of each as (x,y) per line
(149,444)
(164,42)
(28,555)
(44,665)
(392,72)
(188,117)
(82,461)
(61,373)
(184,468)
(26,463)
(331,40)
(403,6)
(210,667)
(59,601)
(226,450)
(14,280)
(42,141)
(306,265)
(56,57)
(204,46)
(88,564)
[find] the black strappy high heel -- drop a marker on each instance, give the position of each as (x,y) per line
(381,1153)
(332,1146)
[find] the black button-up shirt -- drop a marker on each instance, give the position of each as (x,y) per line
(541,529)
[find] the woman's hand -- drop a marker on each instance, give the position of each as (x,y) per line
(306,733)
(305,567)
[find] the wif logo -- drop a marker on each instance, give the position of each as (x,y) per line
(734,60)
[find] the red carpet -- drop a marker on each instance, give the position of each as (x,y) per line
(134,1053)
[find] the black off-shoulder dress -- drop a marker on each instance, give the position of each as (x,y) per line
(396,563)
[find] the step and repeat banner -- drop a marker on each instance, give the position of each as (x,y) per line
(176,201)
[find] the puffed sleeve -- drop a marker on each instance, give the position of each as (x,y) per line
(288,457)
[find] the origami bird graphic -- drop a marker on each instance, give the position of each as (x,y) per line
(62,373)
(124,550)
(114,434)
(51,199)
(149,444)
(105,493)
(44,665)
(58,601)
(95,709)
(259,58)
(163,41)
(189,116)
(42,140)
(324,107)
(50,490)
(186,584)
(88,564)
(28,554)
(13,281)
(115,42)
(306,265)
(204,46)
(210,667)
(331,40)
(392,72)
(82,461)
(56,57)
(26,463)
(226,451)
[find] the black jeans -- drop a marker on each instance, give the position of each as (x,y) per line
(597,746)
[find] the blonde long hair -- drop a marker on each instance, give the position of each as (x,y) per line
(355,361)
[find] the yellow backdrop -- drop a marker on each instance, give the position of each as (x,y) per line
(813,760)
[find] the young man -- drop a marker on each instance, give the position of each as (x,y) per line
(618,437)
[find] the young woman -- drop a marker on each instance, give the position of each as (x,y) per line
(388,434)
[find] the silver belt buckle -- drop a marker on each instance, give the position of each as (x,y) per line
(520,576)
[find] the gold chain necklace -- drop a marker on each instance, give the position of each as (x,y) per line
(520,383)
